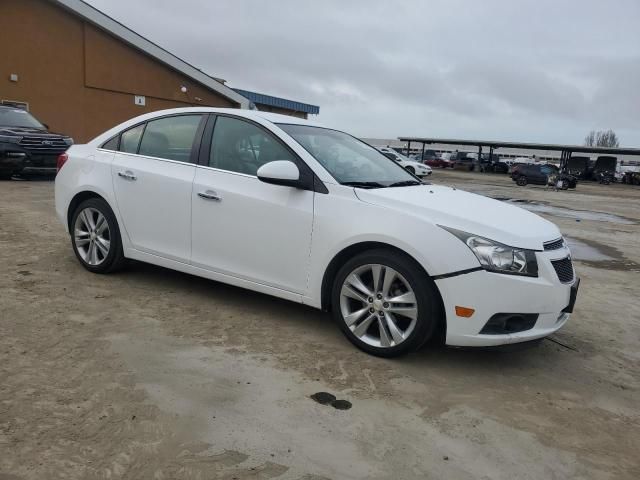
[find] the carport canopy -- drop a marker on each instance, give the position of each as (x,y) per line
(566,150)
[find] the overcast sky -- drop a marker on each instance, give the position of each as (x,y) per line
(534,70)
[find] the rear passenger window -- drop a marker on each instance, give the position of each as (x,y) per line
(243,147)
(170,137)
(111,144)
(130,139)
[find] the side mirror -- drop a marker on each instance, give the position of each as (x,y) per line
(280,172)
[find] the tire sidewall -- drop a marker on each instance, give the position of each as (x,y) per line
(429,311)
(115,251)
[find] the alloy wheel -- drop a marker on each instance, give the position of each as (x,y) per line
(92,236)
(378,305)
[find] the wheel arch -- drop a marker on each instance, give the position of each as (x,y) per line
(342,256)
(77,199)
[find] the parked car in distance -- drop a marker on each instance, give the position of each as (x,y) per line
(318,217)
(462,161)
(438,163)
(539,174)
(578,166)
(26,145)
(492,163)
(605,165)
(416,168)
(630,177)
(427,155)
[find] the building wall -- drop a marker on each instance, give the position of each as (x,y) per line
(80,80)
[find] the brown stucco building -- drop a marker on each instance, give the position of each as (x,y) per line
(81,72)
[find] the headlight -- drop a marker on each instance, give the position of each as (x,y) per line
(68,141)
(9,139)
(497,257)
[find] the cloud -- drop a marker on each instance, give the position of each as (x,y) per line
(532,70)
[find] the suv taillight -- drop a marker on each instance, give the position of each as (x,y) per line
(62,158)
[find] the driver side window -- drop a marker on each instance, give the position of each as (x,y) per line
(242,147)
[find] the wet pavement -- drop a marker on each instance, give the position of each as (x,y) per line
(564,212)
(151,373)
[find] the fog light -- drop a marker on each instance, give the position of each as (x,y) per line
(465,312)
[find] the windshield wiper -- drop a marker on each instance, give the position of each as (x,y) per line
(406,183)
(364,184)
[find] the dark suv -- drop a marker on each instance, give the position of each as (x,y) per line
(26,145)
(492,163)
(539,175)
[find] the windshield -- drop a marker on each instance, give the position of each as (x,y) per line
(14,117)
(347,159)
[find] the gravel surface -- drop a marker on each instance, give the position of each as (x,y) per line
(153,374)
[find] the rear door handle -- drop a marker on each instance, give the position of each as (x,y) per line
(210,195)
(127,175)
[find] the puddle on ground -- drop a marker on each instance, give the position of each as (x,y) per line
(567,212)
(583,251)
(325,398)
(599,255)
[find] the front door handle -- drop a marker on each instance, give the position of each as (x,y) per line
(210,195)
(127,175)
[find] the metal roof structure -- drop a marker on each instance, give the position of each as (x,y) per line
(262,99)
(125,34)
(524,145)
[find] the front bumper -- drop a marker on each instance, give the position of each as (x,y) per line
(30,170)
(11,162)
(491,293)
(39,165)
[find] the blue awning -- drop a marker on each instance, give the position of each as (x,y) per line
(262,99)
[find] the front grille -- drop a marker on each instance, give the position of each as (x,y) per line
(44,145)
(564,269)
(554,244)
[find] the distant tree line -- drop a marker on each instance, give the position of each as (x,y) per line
(602,138)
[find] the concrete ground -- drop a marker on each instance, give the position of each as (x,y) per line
(154,374)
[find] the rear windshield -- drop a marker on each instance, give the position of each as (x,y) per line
(14,117)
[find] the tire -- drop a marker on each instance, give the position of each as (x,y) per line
(413,327)
(521,181)
(411,170)
(109,256)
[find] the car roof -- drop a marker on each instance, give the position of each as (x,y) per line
(250,114)
(10,107)
(256,115)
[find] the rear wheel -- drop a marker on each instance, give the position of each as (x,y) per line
(95,237)
(521,181)
(384,303)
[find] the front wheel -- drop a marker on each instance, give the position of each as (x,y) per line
(521,181)
(384,303)
(95,237)
(411,170)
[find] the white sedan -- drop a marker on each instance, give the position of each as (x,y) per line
(416,168)
(286,207)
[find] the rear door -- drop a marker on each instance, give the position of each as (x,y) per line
(152,177)
(242,226)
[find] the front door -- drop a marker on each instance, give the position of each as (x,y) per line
(152,179)
(244,227)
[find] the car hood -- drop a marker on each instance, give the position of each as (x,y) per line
(413,163)
(468,212)
(21,131)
